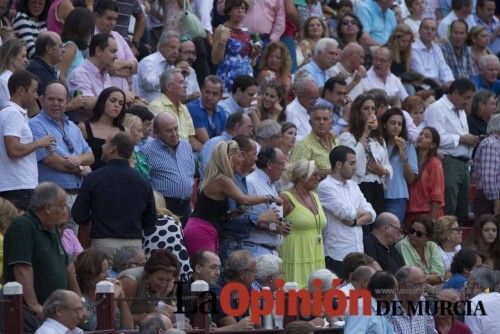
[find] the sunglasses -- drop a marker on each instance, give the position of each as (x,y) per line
(419,234)
(68,143)
(349,23)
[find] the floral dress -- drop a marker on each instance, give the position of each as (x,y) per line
(236,59)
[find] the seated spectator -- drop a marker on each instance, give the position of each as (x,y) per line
(399,45)
(486,169)
(416,9)
(456,53)
(138,161)
(167,235)
(446,321)
(306,94)
(275,64)
(12,58)
(334,96)
(484,238)
(325,55)
(127,257)
(243,91)
(156,324)
(173,91)
(427,57)
(448,236)
(383,286)
(7,213)
(314,29)
(106,121)
(268,134)
(91,268)
(464,261)
(145,286)
(302,250)
(299,327)
(77,30)
(186,60)
(146,117)
(30,20)
(418,249)
(271,105)
(151,67)
(351,69)
(269,268)
(461,10)
(57,14)
(478,41)
(428,95)
(485,16)
(209,119)
(379,244)
(91,77)
(317,145)
(481,286)
(350,264)
(378,21)
(483,106)
(63,311)
(489,67)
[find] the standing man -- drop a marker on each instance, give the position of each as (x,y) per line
(34,255)
(115,204)
(266,17)
(266,236)
(19,172)
(209,119)
(447,115)
(346,209)
(172,165)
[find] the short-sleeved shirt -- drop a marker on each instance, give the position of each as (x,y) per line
(126,8)
(376,23)
(214,124)
(28,242)
(162,103)
(312,148)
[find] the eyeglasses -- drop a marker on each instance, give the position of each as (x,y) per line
(68,143)
(349,23)
(419,234)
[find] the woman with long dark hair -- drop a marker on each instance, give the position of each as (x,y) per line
(105,122)
(271,105)
(484,238)
(427,190)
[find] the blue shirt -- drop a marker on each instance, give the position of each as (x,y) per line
(367,324)
(317,73)
(206,150)
(229,105)
(398,188)
(69,141)
(214,125)
(456,281)
(480,84)
(377,24)
(172,171)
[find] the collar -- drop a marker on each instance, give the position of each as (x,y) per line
(43,63)
(44,114)
(343,69)
(165,146)
(371,73)
(316,67)
(302,109)
(217,108)
(331,138)
(263,176)
(376,7)
(94,69)
(419,45)
(57,326)
(447,102)
(37,221)
(23,111)
(337,182)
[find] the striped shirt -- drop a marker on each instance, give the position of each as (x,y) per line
(27,29)
(172,170)
(462,65)
(259,183)
(487,167)
(126,9)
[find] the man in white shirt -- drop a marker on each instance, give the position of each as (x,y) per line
(461,9)
(345,207)
(448,117)
(19,170)
(427,57)
(63,310)
(306,94)
(151,67)
(481,286)
(380,76)
(351,68)
(266,237)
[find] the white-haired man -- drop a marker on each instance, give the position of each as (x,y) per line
(325,55)
(306,94)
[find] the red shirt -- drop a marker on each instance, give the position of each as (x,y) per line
(427,188)
(457,327)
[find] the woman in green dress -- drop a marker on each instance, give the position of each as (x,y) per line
(302,250)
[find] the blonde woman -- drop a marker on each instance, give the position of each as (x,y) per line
(7,212)
(213,199)
(448,236)
(478,40)
(302,250)
(139,161)
(167,234)
(400,45)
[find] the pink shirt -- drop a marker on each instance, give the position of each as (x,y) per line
(87,78)
(70,243)
(53,23)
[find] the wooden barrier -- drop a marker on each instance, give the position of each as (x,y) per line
(13,308)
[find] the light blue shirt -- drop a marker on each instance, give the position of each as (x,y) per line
(206,150)
(367,324)
(379,25)
(398,188)
(69,138)
(230,105)
(317,73)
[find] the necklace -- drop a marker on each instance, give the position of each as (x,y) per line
(316,216)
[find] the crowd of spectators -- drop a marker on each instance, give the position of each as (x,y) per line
(159,142)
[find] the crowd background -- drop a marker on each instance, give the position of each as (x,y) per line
(155,141)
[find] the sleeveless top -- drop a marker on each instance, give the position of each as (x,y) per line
(303,219)
(53,24)
(210,210)
(96,146)
(77,59)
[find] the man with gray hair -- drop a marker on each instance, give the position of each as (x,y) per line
(269,268)
(268,134)
(481,289)
(487,171)
(306,93)
(128,257)
(33,253)
(155,323)
(173,91)
(325,55)
(151,67)
(63,311)
(488,67)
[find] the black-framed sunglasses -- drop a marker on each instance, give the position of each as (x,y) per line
(68,143)
(419,234)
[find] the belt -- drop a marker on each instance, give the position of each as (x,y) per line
(271,248)
(462,159)
(73,191)
(179,201)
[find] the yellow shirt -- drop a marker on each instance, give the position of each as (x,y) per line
(311,148)
(162,104)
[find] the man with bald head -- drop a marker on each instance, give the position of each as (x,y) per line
(48,53)
(172,165)
(351,68)
(380,76)
(380,243)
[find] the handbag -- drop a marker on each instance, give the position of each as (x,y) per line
(191,25)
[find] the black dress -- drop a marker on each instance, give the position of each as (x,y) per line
(96,146)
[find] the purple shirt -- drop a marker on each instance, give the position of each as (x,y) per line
(87,78)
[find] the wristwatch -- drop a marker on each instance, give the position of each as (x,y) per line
(272,227)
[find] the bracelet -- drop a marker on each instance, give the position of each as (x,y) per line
(270,198)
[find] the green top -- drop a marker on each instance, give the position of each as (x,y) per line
(27,242)
(142,164)
(434,261)
(311,148)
